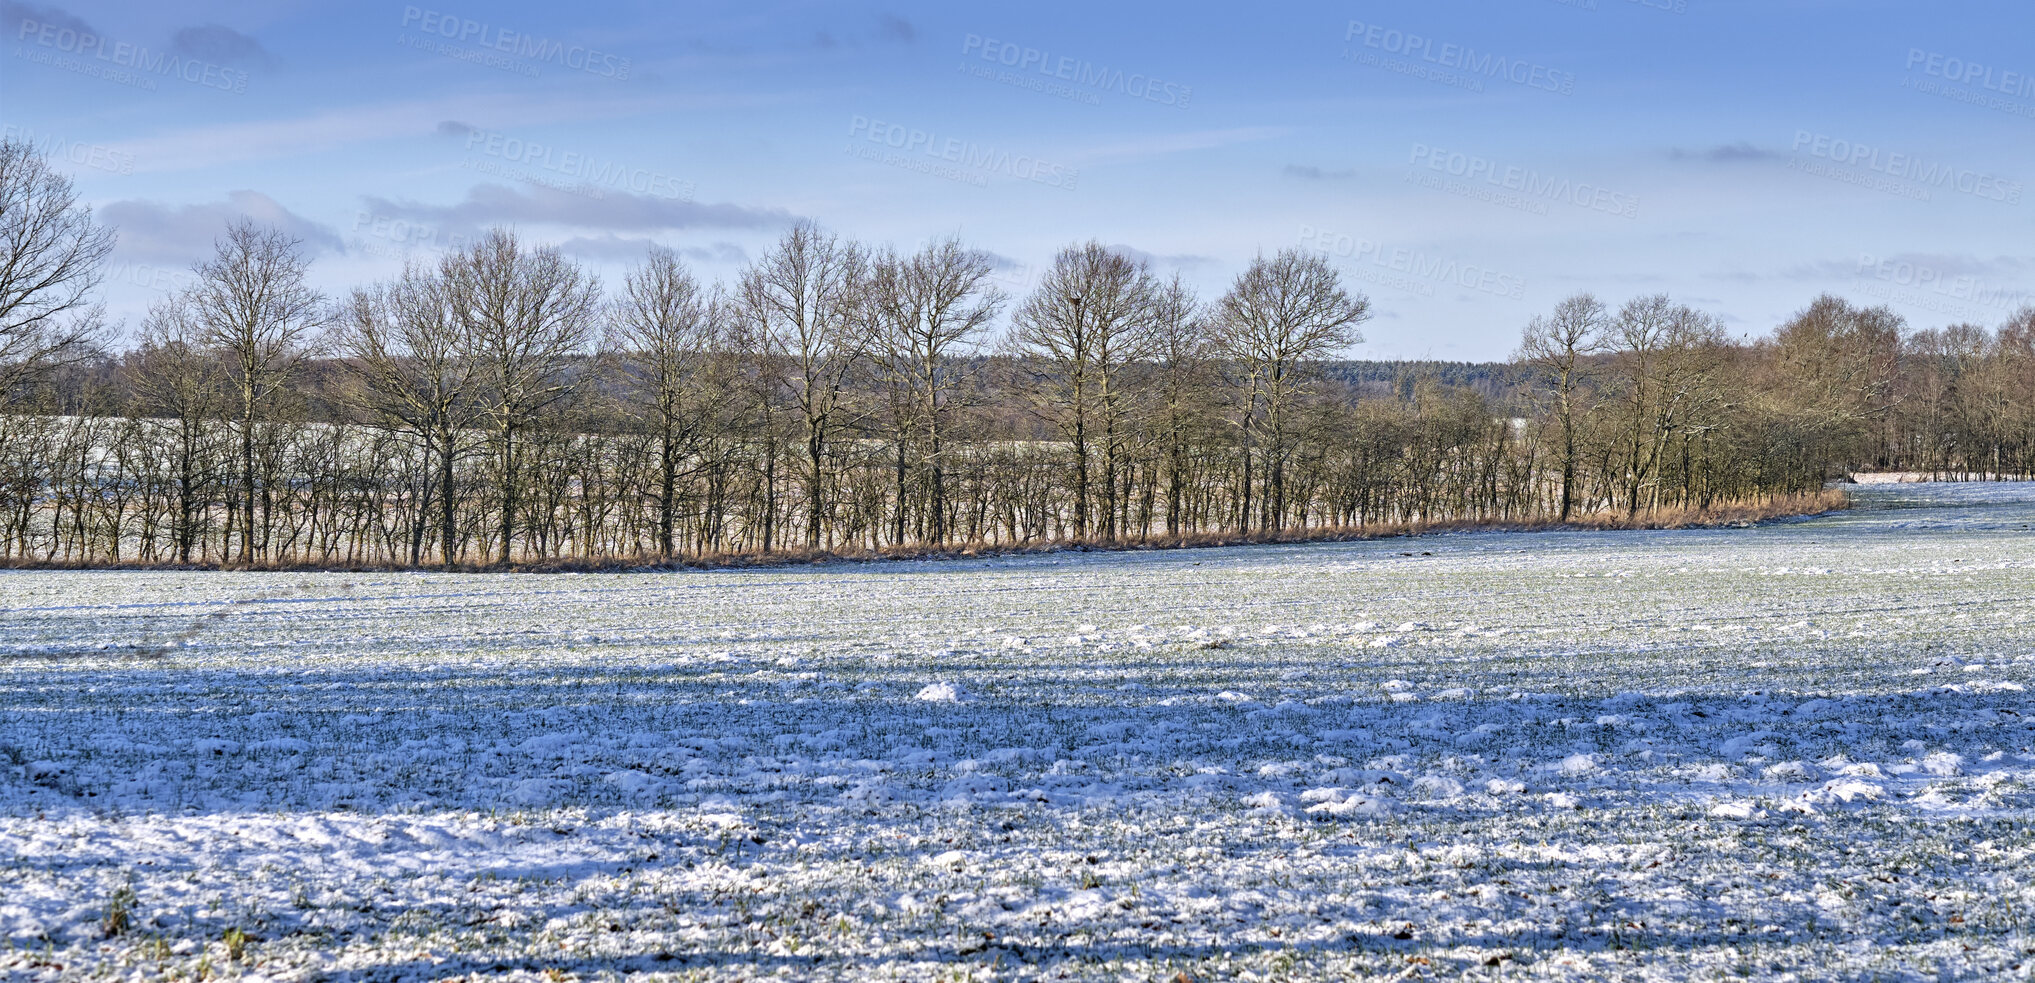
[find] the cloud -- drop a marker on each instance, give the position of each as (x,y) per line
(1938,265)
(219,43)
(496,204)
(1005,264)
(719,252)
(1816,272)
(151,230)
(1725,153)
(632,249)
(1634,279)
(1177,260)
(1956,264)
(455,128)
(215,43)
(1012,271)
(1935,267)
(1161,144)
(891,27)
(14,14)
(1308,172)
(210,145)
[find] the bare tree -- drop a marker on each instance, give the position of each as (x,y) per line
(50,256)
(726,421)
(1282,315)
(804,301)
(179,382)
(1091,316)
(1661,350)
(2016,379)
(1183,356)
(676,354)
(257,312)
(1559,346)
(764,406)
(529,318)
(930,311)
(1841,361)
(409,352)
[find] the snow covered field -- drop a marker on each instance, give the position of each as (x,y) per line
(1798,750)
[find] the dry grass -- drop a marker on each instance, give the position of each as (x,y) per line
(1720,515)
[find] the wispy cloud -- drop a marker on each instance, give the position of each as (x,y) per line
(496,204)
(1308,172)
(158,232)
(611,247)
(219,43)
(891,27)
(1725,153)
(333,129)
(888,29)
(13,15)
(2000,268)
(1161,144)
(1162,261)
(205,42)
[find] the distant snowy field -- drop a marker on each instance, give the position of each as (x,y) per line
(1797,749)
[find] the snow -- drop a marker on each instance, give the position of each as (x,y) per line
(941,693)
(1663,755)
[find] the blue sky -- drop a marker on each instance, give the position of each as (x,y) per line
(1467,164)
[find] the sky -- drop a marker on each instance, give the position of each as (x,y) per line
(1465,165)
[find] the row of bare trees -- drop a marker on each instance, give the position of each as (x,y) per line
(499,406)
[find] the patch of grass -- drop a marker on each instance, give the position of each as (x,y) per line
(119,917)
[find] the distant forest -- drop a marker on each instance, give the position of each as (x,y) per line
(1505,384)
(501,407)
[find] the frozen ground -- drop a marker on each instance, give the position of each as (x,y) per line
(1802,750)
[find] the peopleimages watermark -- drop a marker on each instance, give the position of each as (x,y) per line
(1905,175)
(1972,82)
(1446,62)
(1510,185)
(512,173)
(1016,276)
(398,238)
(94,155)
(1410,270)
(1928,288)
(498,47)
(577,172)
(1950,68)
(161,279)
(1063,76)
(119,62)
(951,158)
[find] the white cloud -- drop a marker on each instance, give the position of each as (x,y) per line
(157,232)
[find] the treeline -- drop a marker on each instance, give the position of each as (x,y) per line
(1503,383)
(501,407)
